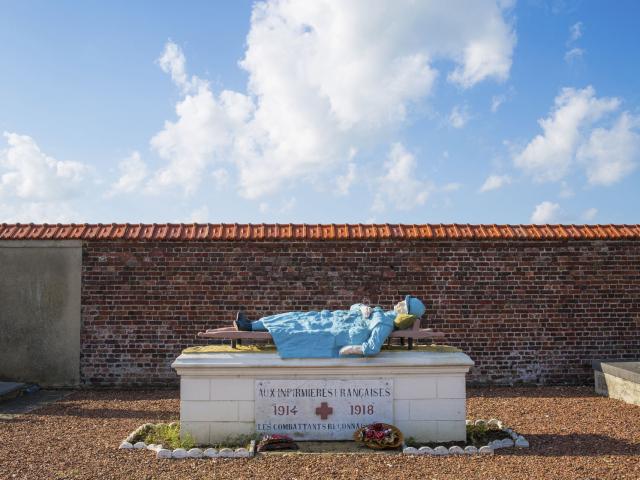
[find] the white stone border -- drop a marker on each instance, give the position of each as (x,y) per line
(162,452)
(516,440)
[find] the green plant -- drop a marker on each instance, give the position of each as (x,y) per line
(236,441)
(476,433)
(169,436)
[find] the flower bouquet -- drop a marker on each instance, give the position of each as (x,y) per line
(276,442)
(379,436)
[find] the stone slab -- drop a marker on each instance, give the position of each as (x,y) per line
(27,403)
(626,370)
(615,387)
(321,409)
(427,401)
(229,363)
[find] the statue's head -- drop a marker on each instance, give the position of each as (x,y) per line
(410,305)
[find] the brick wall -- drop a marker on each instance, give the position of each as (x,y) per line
(530,311)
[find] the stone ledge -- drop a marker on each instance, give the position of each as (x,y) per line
(272,348)
(626,370)
(236,362)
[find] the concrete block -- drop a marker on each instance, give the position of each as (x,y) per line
(437,409)
(451,386)
(246,411)
(219,431)
(194,388)
(198,430)
(40,296)
(422,431)
(451,430)
(407,388)
(232,389)
(208,411)
(400,410)
(616,387)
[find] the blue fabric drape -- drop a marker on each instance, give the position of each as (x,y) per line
(321,334)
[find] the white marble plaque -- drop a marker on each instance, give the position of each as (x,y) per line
(321,409)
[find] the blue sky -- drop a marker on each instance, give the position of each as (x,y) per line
(388,111)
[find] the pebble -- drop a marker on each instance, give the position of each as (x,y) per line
(514,435)
(494,424)
(507,442)
(163,453)
(456,450)
(195,453)
(486,450)
(409,450)
(440,450)
(140,445)
(480,422)
(470,450)
(210,453)
(125,446)
(496,444)
(425,451)
(522,442)
(179,453)
(242,453)
(468,422)
(225,453)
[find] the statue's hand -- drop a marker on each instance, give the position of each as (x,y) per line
(351,350)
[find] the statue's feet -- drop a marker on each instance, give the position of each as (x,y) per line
(242,323)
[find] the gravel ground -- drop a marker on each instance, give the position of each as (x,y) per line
(573,435)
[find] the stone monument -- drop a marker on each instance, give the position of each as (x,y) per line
(227,393)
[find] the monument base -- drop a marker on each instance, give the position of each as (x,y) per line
(226,394)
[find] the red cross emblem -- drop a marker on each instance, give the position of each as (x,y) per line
(324,410)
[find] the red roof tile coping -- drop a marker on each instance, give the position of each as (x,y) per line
(217,231)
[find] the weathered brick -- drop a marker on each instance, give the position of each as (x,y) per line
(535,311)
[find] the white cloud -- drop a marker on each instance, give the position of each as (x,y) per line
(344,182)
(493,182)
(263,207)
(451,187)
(550,155)
(288,205)
(566,191)
(496,101)
(35,187)
(38,212)
(459,116)
(546,212)
(399,186)
(133,172)
(589,214)
(220,176)
(173,62)
(29,174)
(325,78)
(203,132)
(611,154)
(575,31)
(573,54)
(200,215)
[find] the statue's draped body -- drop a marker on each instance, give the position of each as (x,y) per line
(321,334)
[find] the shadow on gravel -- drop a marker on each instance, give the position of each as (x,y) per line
(82,412)
(531,392)
(575,445)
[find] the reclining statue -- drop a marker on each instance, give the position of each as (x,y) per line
(361,330)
